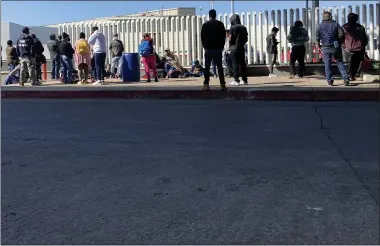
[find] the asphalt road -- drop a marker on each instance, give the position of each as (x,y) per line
(189,172)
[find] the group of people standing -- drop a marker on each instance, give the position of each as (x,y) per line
(90,55)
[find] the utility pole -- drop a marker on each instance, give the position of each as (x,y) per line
(211,4)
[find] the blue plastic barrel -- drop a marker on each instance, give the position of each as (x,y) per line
(131,67)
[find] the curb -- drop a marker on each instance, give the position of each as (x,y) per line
(286,95)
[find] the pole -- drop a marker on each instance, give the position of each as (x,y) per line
(232,7)
(307,14)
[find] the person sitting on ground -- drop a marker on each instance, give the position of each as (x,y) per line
(12,58)
(146,50)
(67,52)
(272,50)
(108,72)
(170,57)
(197,69)
(82,58)
(298,36)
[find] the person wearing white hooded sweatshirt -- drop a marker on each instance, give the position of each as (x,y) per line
(98,42)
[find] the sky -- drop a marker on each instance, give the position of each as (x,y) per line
(36,13)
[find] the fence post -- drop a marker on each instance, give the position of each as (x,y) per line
(371,31)
(378,30)
(261,38)
(249,27)
(284,28)
(44,71)
(254,28)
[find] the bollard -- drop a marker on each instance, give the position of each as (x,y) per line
(131,67)
(44,71)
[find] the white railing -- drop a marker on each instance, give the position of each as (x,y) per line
(181,34)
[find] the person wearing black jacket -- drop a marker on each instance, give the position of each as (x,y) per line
(213,36)
(67,52)
(272,50)
(27,59)
(38,50)
(238,38)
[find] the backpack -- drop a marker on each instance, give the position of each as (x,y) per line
(144,48)
(82,47)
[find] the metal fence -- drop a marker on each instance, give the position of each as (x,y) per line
(181,34)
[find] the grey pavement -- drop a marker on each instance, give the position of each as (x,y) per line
(189,172)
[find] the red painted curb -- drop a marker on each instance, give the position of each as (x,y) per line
(309,95)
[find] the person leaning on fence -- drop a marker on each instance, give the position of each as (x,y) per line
(272,50)
(12,58)
(82,58)
(213,36)
(146,51)
(298,36)
(354,44)
(331,35)
(27,59)
(117,49)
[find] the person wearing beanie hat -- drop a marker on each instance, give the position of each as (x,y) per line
(98,42)
(24,47)
(67,54)
(53,47)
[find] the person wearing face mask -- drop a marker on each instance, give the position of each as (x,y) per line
(117,49)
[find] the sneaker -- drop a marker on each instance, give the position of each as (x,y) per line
(156,79)
(243,83)
(205,88)
(148,81)
(235,83)
(347,83)
(271,75)
(98,82)
(292,76)
(330,83)
(21,83)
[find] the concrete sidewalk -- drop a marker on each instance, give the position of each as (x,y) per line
(261,88)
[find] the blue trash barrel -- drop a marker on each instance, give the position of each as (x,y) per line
(131,67)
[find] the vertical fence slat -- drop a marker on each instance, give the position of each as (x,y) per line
(317,21)
(371,30)
(279,37)
(253,40)
(193,40)
(266,33)
(378,31)
(261,53)
(188,41)
(284,28)
(309,45)
(249,46)
(199,46)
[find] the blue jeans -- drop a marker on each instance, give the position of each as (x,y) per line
(328,53)
(100,62)
(116,63)
(215,56)
(67,64)
(167,67)
(56,65)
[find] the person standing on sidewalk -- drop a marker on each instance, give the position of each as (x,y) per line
(27,60)
(238,38)
(272,50)
(12,58)
(66,50)
(227,56)
(331,35)
(53,47)
(146,51)
(82,57)
(213,35)
(98,42)
(38,50)
(298,36)
(117,49)
(354,44)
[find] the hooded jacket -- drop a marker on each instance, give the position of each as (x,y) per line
(328,32)
(238,34)
(38,50)
(213,35)
(355,35)
(298,36)
(98,42)
(53,47)
(24,45)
